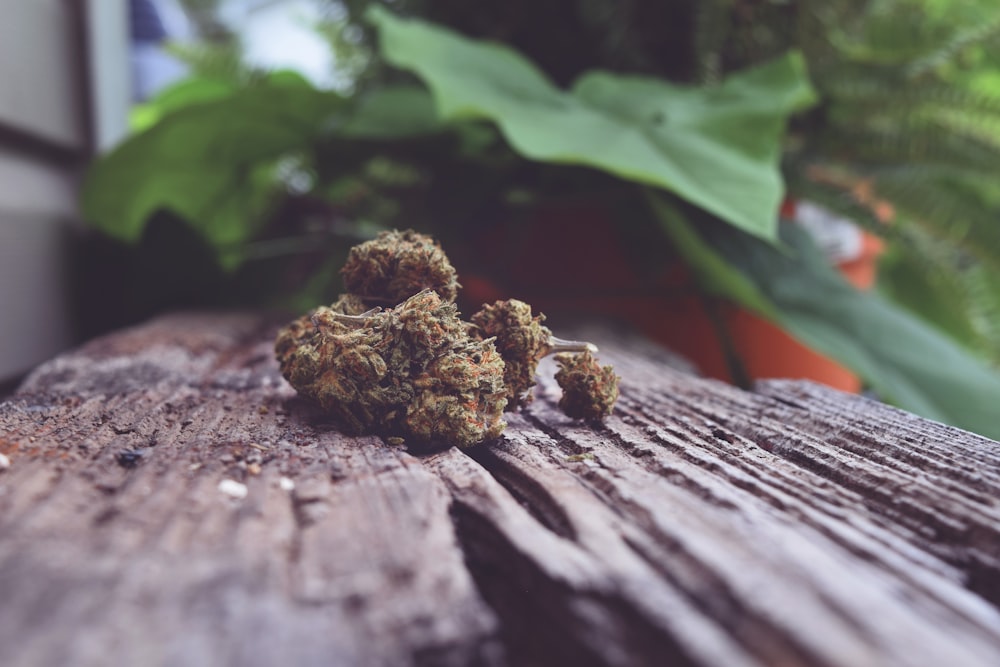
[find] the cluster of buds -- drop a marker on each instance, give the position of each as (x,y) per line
(393,357)
(522,340)
(408,371)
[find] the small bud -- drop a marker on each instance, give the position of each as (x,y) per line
(396,265)
(522,341)
(589,391)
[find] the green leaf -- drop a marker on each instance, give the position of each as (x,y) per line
(904,359)
(181,94)
(208,162)
(717,148)
(393,112)
(715,274)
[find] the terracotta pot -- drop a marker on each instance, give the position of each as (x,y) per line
(570,260)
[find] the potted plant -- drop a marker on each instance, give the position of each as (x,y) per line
(472,141)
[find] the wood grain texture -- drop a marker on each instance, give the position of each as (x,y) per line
(701,525)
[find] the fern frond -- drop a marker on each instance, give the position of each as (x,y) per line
(982,32)
(940,282)
(899,143)
(982,287)
(946,201)
(886,37)
(873,88)
(712,29)
(920,273)
(969,123)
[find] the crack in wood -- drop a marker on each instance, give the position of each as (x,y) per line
(545,622)
(529,492)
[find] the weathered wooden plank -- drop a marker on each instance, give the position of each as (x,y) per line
(701,525)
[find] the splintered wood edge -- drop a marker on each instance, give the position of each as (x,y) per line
(169,499)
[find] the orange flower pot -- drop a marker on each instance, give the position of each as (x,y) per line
(769,352)
(570,260)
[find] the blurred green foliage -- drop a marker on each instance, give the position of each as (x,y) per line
(679,107)
(717,147)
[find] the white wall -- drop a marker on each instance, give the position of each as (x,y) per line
(44,141)
(107,33)
(37,209)
(39,87)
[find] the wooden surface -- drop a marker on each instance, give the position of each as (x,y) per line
(702,525)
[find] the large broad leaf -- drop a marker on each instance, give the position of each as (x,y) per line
(905,360)
(714,273)
(392,112)
(207,162)
(209,151)
(187,92)
(715,147)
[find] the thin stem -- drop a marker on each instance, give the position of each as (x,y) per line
(562,345)
(734,363)
(349,320)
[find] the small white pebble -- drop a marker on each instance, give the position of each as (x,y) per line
(286,484)
(233,489)
(4,462)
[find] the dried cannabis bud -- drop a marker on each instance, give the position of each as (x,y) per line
(410,371)
(415,370)
(589,391)
(522,341)
(396,265)
(349,304)
(302,330)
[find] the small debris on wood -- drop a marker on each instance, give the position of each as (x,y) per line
(233,489)
(129,458)
(4,462)
(286,484)
(253,469)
